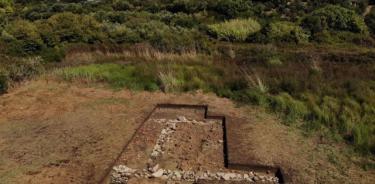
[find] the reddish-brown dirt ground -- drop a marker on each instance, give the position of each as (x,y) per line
(68,133)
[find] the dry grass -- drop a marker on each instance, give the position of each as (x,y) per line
(254,80)
(136,53)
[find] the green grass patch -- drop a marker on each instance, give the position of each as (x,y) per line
(235,30)
(117,76)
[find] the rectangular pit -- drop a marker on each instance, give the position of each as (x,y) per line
(182,140)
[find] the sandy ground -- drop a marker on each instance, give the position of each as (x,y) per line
(68,133)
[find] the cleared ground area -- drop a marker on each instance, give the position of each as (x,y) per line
(177,144)
(54,132)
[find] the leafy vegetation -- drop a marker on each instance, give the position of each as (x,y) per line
(39,27)
(333,17)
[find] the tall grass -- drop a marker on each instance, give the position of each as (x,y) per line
(235,30)
(117,76)
(316,101)
(138,52)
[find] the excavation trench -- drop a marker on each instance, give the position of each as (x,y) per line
(184,144)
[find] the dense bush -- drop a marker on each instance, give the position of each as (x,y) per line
(169,38)
(235,8)
(22,37)
(6,6)
(122,5)
(370,21)
(235,30)
(334,17)
(69,27)
(191,6)
(118,33)
(286,32)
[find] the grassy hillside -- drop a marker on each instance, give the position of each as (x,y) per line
(311,63)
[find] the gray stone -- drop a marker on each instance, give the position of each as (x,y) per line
(158,173)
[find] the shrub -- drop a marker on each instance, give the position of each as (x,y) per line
(91,29)
(174,39)
(6,6)
(55,54)
(37,12)
(179,19)
(234,8)
(334,17)
(235,30)
(122,5)
(23,37)
(66,27)
(370,21)
(69,27)
(121,34)
(283,31)
(191,6)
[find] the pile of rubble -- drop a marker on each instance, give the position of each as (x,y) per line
(163,137)
(121,175)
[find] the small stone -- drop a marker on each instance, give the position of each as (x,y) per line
(256,178)
(229,176)
(164,177)
(182,118)
(251,174)
(155,168)
(158,173)
(246,176)
(178,175)
(124,170)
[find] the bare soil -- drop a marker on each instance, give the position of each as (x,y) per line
(190,147)
(54,132)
